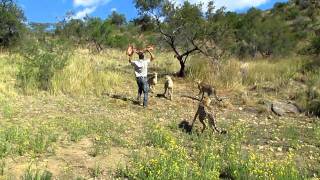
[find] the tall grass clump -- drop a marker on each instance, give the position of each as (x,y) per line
(309,98)
(276,71)
(91,74)
(224,75)
(17,140)
(227,74)
(8,69)
(35,174)
(41,61)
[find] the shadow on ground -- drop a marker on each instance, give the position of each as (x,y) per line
(190,97)
(185,126)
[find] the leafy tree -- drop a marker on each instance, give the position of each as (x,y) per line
(219,33)
(11,23)
(145,23)
(180,26)
(246,33)
(74,30)
(274,37)
(117,19)
(40,30)
(98,32)
(266,34)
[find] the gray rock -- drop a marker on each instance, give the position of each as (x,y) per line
(281,108)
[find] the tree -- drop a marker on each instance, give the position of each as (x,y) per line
(219,34)
(145,23)
(117,19)
(40,30)
(180,26)
(274,37)
(75,30)
(11,23)
(98,32)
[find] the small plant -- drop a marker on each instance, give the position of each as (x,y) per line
(96,171)
(7,111)
(36,175)
(2,167)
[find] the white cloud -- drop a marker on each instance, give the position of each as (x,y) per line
(84,13)
(231,5)
(89,3)
(113,9)
(89,7)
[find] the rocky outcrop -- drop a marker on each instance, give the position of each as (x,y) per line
(282,108)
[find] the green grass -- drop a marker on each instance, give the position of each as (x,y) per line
(31,174)
(206,156)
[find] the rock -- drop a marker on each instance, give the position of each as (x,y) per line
(267,103)
(279,149)
(281,108)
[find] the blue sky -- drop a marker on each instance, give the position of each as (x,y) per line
(54,10)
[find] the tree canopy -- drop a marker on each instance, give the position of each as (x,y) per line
(11,23)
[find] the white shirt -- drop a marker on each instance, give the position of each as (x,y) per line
(140,67)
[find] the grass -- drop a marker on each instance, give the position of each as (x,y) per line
(31,174)
(86,125)
(212,157)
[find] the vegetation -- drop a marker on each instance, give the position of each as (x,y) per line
(11,23)
(67,108)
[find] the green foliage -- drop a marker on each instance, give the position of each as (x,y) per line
(11,23)
(210,157)
(264,34)
(314,107)
(41,61)
(117,19)
(97,171)
(118,41)
(2,167)
(145,23)
(73,30)
(6,108)
(18,140)
(315,46)
(36,175)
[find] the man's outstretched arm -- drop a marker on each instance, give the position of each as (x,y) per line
(130,58)
(151,55)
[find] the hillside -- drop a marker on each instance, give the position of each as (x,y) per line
(90,127)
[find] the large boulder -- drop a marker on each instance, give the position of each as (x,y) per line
(282,108)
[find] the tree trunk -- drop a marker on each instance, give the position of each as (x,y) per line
(182,72)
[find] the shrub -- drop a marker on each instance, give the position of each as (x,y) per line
(41,62)
(118,41)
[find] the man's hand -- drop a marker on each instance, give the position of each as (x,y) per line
(151,55)
(130,58)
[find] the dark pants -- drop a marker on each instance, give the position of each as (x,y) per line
(143,87)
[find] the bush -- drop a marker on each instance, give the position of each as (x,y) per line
(315,46)
(118,41)
(41,62)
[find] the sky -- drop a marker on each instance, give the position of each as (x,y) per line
(50,11)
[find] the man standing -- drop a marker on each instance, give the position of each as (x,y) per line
(141,72)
